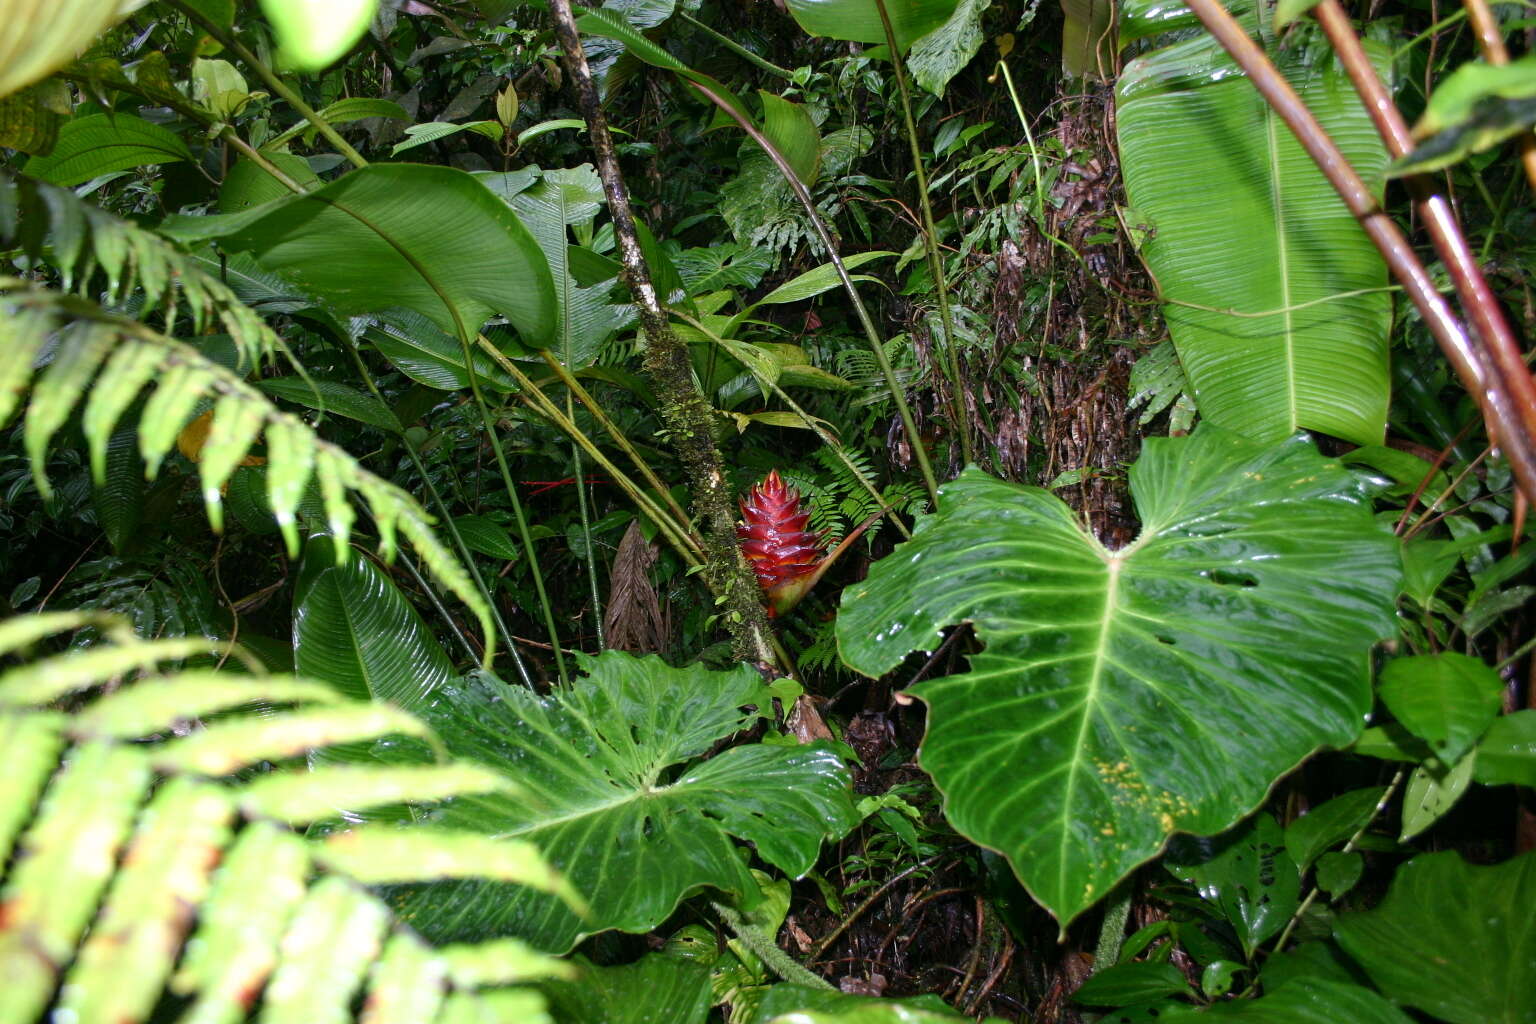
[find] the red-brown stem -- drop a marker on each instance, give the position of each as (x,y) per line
(1491,42)
(1501,351)
(1509,406)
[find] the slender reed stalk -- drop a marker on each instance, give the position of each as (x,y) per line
(930,240)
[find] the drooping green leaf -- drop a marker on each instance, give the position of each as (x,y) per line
(1333,822)
(421,134)
(1125,695)
(1507,752)
(789,127)
(600,763)
(431,239)
(42,38)
(487,537)
(333,397)
(818,279)
(1447,700)
(96,144)
(1337,872)
(943,53)
(1457,98)
(1432,790)
(1293,329)
(353,629)
(1453,939)
(859,20)
(419,349)
(1246,872)
(1493,120)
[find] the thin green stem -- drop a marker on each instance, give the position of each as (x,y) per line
(586,531)
(488,424)
(245,149)
(898,396)
(276,84)
(443,513)
(615,432)
(930,240)
(735,47)
(686,545)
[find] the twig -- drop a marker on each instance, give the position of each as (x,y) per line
(826,940)
(688,417)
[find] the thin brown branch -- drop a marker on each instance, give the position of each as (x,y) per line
(1505,393)
(689,419)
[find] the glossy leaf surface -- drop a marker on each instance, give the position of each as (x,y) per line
(859,20)
(354,630)
(616,800)
(431,239)
(1453,939)
(1507,753)
(1279,345)
(1246,873)
(1126,695)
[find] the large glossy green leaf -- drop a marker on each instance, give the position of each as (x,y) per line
(1125,695)
(941,54)
(617,800)
(1453,939)
(1244,223)
(430,239)
(354,630)
(97,144)
(43,35)
(859,20)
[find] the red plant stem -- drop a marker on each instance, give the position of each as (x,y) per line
(1491,43)
(1507,399)
(1501,348)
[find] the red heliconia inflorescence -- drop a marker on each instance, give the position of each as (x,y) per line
(773,536)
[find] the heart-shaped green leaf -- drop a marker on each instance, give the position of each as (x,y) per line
(1447,700)
(616,796)
(1126,695)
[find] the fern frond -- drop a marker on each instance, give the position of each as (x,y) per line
(103,361)
(90,248)
(133,856)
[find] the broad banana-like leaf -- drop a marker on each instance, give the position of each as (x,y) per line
(43,35)
(1275,296)
(430,239)
(1126,695)
(97,144)
(615,796)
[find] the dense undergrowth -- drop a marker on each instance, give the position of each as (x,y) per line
(367,500)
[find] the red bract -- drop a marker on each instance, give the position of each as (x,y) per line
(784,554)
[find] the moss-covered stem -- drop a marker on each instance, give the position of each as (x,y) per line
(687,416)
